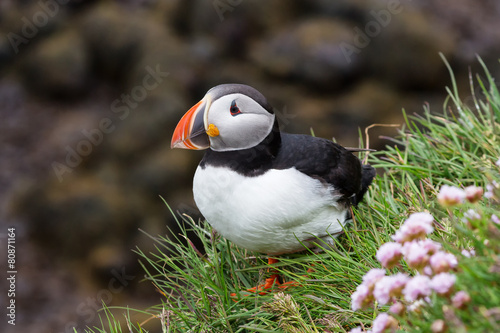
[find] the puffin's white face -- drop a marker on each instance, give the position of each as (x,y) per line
(241,122)
(226,119)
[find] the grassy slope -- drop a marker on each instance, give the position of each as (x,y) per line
(457,147)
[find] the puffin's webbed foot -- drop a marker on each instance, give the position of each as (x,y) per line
(270,283)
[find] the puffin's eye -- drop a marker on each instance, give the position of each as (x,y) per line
(234,109)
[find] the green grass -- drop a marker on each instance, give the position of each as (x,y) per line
(457,146)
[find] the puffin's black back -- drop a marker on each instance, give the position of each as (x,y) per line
(327,161)
(368,173)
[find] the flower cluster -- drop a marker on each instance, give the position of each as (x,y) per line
(435,266)
(452,195)
(435,274)
(417,226)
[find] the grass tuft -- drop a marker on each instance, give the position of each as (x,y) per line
(197,271)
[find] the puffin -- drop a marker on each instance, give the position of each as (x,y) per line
(261,188)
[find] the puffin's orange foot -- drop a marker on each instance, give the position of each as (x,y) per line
(272,281)
(288,284)
(267,286)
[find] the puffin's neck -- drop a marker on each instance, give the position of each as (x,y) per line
(249,162)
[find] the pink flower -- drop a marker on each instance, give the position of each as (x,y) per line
(460,299)
(495,219)
(389,286)
(372,276)
(450,195)
(443,282)
(356,330)
(416,226)
(427,270)
(473,193)
(415,255)
(384,323)
(431,246)
(417,287)
(399,237)
(389,254)
(497,163)
(471,215)
(415,306)
(490,189)
(469,253)
(397,308)
(443,262)
(438,326)
(361,297)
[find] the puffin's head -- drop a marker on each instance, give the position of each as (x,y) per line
(229,117)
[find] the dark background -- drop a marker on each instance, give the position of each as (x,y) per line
(85,127)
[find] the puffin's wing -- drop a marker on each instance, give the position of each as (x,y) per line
(327,161)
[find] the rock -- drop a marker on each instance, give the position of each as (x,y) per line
(366,103)
(168,69)
(114,38)
(83,209)
(6,52)
(143,128)
(309,52)
(354,11)
(232,25)
(342,116)
(163,170)
(58,67)
(479,36)
(28,23)
(405,53)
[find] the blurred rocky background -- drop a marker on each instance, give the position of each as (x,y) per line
(90,92)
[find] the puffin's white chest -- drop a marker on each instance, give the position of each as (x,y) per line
(269,213)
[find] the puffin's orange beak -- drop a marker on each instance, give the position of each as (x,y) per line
(190,132)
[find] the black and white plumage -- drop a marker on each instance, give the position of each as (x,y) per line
(263,189)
